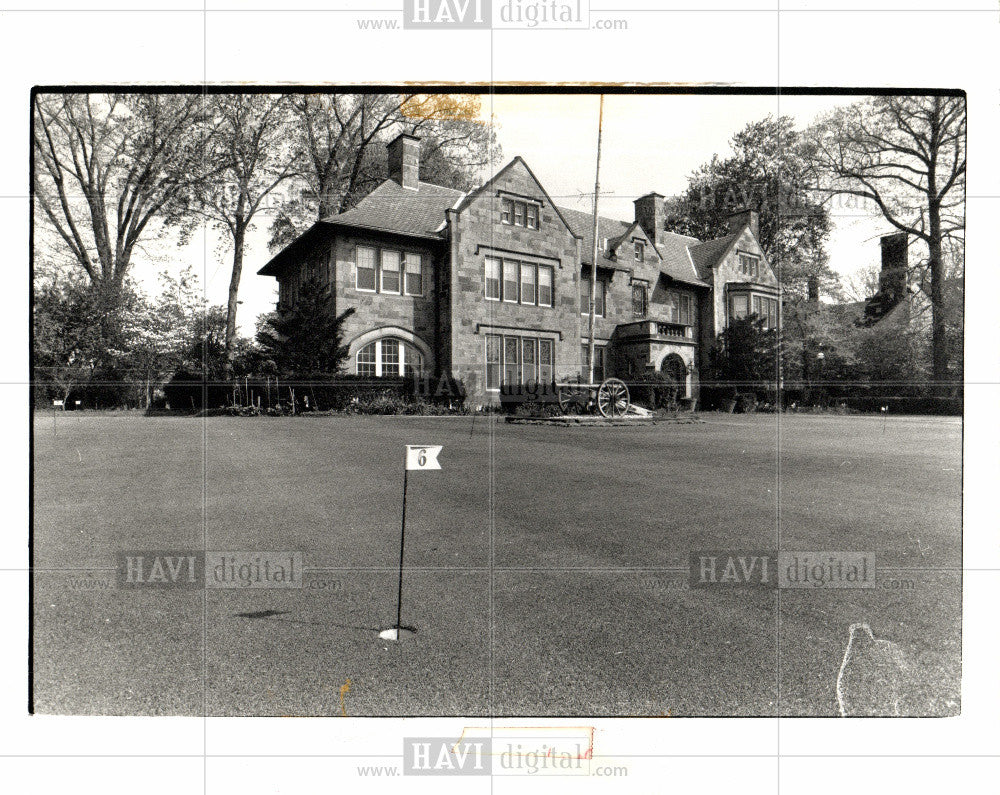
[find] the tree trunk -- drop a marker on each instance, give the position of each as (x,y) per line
(234,290)
(939,338)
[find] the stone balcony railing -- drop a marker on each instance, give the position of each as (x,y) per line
(656,330)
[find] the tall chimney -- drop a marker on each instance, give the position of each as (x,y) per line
(895,260)
(404,160)
(744,217)
(650,215)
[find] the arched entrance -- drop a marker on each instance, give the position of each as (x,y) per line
(674,368)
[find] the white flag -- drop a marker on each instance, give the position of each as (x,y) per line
(422,456)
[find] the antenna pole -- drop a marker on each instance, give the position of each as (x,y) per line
(593,253)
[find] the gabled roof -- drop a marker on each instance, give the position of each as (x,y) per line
(706,256)
(677,261)
(389,208)
(393,208)
(582,225)
(673,250)
(476,192)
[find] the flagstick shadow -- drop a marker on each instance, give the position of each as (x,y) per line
(274,615)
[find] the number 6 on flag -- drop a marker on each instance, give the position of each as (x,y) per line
(422,456)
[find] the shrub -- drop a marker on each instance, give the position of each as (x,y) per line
(655,391)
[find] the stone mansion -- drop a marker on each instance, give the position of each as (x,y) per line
(493,286)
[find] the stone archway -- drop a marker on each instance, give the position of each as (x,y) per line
(673,367)
(394,333)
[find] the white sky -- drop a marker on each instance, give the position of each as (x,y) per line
(649,143)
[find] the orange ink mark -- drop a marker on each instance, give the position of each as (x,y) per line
(344,690)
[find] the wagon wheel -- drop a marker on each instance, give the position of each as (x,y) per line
(571,399)
(613,398)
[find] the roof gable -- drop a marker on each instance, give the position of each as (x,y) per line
(393,208)
(474,194)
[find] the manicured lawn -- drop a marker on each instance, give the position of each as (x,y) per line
(546,566)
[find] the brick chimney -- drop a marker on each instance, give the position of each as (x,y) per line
(650,215)
(404,160)
(892,280)
(743,217)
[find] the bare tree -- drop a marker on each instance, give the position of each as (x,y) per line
(907,156)
(250,153)
(338,142)
(862,284)
(106,165)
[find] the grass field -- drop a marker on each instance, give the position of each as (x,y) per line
(546,567)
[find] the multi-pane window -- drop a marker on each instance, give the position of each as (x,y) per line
(518,213)
(527,285)
(493,358)
(599,296)
(544,285)
(766,309)
(529,359)
(640,251)
(511,360)
(389,271)
(518,282)
(493,279)
(414,265)
(532,216)
(510,281)
(640,300)
(366,268)
(506,211)
(388,357)
(546,359)
(600,362)
(749,265)
(679,308)
(739,306)
(518,360)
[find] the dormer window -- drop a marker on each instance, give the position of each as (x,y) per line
(749,265)
(519,213)
(640,251)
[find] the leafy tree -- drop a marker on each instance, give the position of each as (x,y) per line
(339,154)
(106,166)
(251,160)
(304,341)
(907,156)
(767,172)
(67,344)
(158,333)
(746,353)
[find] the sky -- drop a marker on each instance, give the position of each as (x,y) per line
(650,143)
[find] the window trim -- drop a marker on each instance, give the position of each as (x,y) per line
(603,296)
(499,279)
(503,281)
(519,269)
(405,350)
(551,286)
(403,254)
(600,354)
(404,272)
(501,363)
(509,208)
(645,299)
(753,270)
(374,269)
(398,271)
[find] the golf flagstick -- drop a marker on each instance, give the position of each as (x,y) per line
(418,456)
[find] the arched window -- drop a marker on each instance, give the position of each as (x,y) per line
(389,357)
